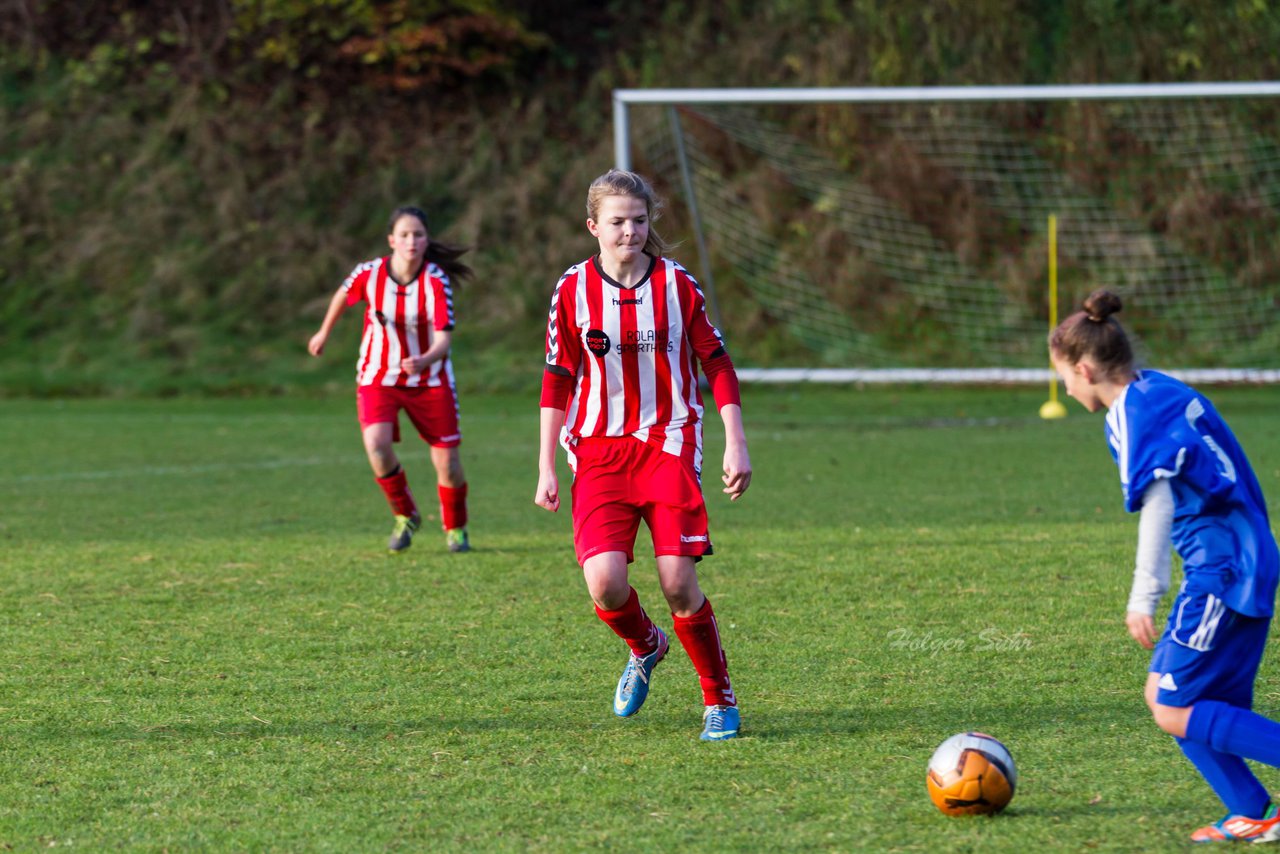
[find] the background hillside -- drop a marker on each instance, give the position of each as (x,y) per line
(182,190)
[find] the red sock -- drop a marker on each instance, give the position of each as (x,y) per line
(396,487)
(700,637)
(453,506)
(632,624)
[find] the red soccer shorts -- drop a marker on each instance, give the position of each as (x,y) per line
(618,482)
(433,410)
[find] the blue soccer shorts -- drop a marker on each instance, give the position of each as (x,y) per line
(1208,652)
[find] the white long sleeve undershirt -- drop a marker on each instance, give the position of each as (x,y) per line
(1151,570)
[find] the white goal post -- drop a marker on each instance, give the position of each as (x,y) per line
(834,231)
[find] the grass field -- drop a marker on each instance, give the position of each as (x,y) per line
(205,646)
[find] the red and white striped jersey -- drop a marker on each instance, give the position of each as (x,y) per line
(632,351)
(400,322)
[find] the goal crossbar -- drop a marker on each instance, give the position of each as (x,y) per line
(903,94)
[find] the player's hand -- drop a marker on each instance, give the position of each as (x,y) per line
(316,345)
(737,471)
(413,365)
(1142,628)
(548,494)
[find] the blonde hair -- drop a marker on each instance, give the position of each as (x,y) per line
(617,182)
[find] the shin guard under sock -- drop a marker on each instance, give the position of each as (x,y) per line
(632,624)
(453,506)
(700,637)
(1234,730)
(396,487)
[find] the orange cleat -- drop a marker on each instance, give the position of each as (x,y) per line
(1242,828)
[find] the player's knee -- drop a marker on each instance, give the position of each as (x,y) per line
(448,465)
(376,447)
(1149,695)
(609,597)
(383,464)
(609,590)
(683,599)
(1171,719)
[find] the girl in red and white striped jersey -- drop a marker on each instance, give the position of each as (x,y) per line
(627,331)
(404,364)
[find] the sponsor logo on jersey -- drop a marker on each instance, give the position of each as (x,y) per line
(628,301)
(598,341)
(646,341)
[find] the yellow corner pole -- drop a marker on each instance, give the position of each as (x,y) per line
(1052,408)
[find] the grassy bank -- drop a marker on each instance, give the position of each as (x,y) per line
(176,208)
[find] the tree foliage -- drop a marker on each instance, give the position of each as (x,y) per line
(338,46)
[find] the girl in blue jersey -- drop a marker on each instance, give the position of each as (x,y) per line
(1182,468)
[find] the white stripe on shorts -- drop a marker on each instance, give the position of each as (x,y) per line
(1202,638)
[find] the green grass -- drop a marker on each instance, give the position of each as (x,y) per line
(204,645)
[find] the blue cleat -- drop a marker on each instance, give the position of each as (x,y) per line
(722,723)
(633,687)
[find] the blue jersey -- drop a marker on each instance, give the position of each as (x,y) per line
(1159,427)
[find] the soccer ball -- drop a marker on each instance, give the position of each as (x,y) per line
(971,774)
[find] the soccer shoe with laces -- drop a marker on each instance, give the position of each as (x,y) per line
(456,539)
(633,687)
(721,723)
(1242,828)
(402,533)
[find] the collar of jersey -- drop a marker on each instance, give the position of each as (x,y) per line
(595,261)
(386,260)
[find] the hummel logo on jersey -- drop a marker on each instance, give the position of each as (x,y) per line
(1167,683)
(632,301)
(701,538)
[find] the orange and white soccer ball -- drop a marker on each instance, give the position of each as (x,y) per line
(971,774)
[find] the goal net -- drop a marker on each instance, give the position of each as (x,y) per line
(910,229)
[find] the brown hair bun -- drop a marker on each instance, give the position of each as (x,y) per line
(1101,304)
